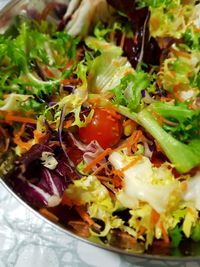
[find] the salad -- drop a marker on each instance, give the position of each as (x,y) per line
(99,118)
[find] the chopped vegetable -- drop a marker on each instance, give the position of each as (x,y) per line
(99,119)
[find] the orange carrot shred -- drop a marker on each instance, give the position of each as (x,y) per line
(177,93)
(49,215)
(131,163)
(9,117)
(97,159)
(84,215)
(141,231)
(18,141)
(3,132)
(122,40)
(155,216)
(164,233)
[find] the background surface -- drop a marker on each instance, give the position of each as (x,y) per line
(27,241)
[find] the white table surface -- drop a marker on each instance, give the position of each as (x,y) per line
(27,241)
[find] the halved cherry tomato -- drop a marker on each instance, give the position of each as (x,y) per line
(105,127)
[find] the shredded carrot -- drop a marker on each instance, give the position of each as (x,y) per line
(122,40)
(141,231)
(112,36)
(97,159)
(176,90)
(66,201)
(84,215)
(133,140)
(79,54)
(196,29)
(180,53)
(164,233)
(131,163)
(67,124)
(192,106)
(162,120)
(69,64)
(49,73)
(70,202)
(95,101)
(158,147)
(118,173)
(117,181)
(5,140)
(3,132)
(184,186)
(38,136)
(100,168)
(135,38)
(49,7)
(18,141)
(167,98)
(10,117)
(104,178)
(49,215)
(155,216)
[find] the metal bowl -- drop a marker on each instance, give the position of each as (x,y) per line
(188,251)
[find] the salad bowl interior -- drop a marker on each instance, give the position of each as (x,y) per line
(80,100)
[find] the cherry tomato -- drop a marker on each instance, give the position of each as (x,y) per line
(105,127)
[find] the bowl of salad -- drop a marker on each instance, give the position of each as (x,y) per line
(100,120)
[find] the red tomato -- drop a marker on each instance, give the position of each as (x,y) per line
(105,127)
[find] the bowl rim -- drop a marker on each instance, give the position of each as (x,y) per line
(6,8)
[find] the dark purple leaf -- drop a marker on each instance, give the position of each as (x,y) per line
(143,93)
(127,7)
(140,48)
(34,153)
(68,88)
(60,10)
(51,104)
(64,168)
(39,70)
(30,194)
(52,183)
(33,14)
(60,128)
(47,191)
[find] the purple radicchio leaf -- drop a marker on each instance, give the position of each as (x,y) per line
(34,153)
(45,193)
(68,88)
(60,128)
(91,151)
(52,182)
(64,168)
(147,150)
(141,48)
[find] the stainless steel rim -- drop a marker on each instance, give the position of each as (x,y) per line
(8,7)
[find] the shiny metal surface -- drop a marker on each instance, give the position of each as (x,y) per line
(6,15)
